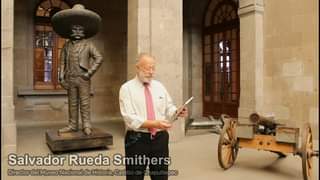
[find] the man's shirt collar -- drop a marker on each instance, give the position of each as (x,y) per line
(142,84)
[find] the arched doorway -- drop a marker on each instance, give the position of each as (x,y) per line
(221,58)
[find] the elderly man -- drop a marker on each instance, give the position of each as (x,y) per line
(146,107)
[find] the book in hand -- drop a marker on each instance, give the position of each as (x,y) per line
(180,109)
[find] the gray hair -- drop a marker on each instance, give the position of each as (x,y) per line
(142,55)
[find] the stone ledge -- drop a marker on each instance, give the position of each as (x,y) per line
(250,7)
(32,92)
(27,123)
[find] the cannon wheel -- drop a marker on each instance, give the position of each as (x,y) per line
(228,145)
(306,152)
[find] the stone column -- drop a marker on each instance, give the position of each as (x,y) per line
(8,124)
(156,27)
(251,57)
(139,32)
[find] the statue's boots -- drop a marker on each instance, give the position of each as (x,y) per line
(87,131)
(67,129)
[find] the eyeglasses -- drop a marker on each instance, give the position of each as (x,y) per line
(148,69)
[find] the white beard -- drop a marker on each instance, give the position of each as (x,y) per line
(143,78)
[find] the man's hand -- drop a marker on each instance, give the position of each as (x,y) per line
(159,124)
(86,76)
(184,112)
(64,84)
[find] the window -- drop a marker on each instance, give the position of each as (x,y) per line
(47,45)
(221,53)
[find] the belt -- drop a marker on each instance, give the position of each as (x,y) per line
(74,75)
(145,133)
(133,136)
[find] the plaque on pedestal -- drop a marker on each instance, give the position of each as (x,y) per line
(77,140)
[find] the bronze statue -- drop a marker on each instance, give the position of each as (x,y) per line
(79,60)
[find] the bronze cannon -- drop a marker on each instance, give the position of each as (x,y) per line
(264,133)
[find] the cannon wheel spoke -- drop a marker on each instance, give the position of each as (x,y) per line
(306,152)
(227,149)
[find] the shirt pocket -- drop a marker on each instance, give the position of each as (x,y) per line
(160,103)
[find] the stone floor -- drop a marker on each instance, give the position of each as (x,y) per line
(194,157)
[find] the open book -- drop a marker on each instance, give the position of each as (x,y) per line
(180,109)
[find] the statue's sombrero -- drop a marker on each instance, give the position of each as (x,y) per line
(78,15)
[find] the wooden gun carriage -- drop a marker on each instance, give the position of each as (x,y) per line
(263,133)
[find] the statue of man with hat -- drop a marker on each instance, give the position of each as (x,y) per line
(79,60)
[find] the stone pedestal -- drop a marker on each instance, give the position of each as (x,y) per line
(60,142)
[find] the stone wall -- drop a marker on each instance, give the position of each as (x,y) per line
(291,60)
(285,41)
(192,53)
(8,123)
(110,41)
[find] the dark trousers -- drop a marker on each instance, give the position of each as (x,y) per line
(79,99)
(141,144)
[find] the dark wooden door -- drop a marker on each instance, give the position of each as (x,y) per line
(221,63)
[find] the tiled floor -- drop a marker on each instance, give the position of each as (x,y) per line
(194,157)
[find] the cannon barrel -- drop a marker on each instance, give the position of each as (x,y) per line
(266,121)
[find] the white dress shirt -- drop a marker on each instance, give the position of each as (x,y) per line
(133,104)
